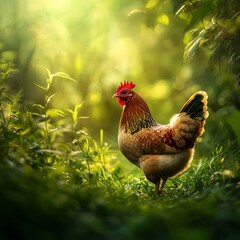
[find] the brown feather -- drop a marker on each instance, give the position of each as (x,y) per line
(161,151)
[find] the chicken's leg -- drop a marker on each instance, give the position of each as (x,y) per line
(157,186)
(160,185)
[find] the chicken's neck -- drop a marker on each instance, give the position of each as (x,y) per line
(136,116)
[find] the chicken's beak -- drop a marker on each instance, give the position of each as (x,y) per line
(115,95)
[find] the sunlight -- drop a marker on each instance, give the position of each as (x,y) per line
(157,91)
(58,4)
(65,142)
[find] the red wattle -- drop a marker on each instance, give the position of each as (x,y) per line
(121,102)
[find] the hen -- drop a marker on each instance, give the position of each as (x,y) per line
(161,151)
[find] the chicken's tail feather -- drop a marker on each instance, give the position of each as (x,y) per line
(196,106)
(188,125)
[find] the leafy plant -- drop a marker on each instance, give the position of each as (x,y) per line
(211,24)
(214,25)
(73,185)
(9,116)
(47,113)
(56,180)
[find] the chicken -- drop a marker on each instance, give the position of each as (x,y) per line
(161,151)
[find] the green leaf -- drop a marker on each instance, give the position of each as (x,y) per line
(7,100)
(39,106)
(39,115)
(63,75)
(50,151)
(41,87)
(50,97)
(46,69)
(192,47)
(54,113)
(83,117)
(163,19)
(76,110)
(151,4)
(201,12)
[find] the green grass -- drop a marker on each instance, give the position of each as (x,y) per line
(57,182)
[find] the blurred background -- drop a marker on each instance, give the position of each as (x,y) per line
(99,44)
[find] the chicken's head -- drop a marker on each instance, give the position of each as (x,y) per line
(124,92)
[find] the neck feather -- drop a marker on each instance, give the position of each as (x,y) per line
(136,115)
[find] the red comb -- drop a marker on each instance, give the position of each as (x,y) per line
(126,84)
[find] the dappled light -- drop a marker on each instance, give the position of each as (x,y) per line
(61,61)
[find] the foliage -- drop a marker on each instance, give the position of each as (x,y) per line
(61,175)
(211,24)
(57,182)
(141,41)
